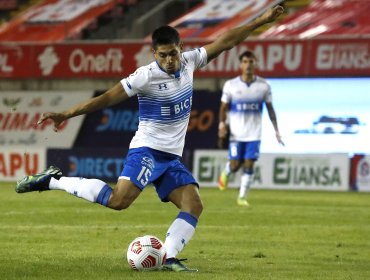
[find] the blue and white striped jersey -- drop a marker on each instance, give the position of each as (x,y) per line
(245,107)
(164,102)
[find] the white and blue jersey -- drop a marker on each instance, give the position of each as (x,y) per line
(245,107)
(164,102)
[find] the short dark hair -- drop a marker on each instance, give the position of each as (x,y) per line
(247,54)
(165,35)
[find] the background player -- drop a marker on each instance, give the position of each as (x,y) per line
(164,89)
(242,102)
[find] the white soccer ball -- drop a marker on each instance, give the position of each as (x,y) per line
(146,253)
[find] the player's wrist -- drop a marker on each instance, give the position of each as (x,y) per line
(221,125)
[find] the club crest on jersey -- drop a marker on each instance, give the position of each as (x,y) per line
(162,86)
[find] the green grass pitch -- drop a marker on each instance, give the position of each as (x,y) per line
(283,235)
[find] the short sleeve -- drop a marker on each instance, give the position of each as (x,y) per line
(268,96)
(136,82)
(198,57)
(226,95)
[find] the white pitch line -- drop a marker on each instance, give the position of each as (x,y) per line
(88,227)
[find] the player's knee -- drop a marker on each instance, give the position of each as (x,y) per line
(200,207)
(197,207)
(234,167)
(120,204)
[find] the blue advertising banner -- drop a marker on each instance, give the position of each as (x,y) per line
(115,126)
(105,164)
(99,163)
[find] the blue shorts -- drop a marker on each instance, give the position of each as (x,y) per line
(244,150)
(146,166)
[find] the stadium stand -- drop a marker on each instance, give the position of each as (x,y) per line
(11,8)
(8,5)
(53,20)
(59,20)
(291,7)
(325,17)
(212,18)
(139,20)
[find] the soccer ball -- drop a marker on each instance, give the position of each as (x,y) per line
(146,253)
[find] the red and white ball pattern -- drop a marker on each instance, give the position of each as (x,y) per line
(146,253)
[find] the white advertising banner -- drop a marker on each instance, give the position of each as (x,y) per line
(20,111)
(363,174)
(19,161)
(279,171)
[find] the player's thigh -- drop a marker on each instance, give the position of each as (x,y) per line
(123,195)
(235,150)
(252,150)
(187,199)
(236,153)
(235,165)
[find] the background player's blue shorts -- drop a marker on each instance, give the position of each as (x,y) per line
(244,150)
(146,166)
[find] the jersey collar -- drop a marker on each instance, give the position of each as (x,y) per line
(248,84)
(175,75)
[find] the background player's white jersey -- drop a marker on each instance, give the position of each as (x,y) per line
(245,107)
(164,102)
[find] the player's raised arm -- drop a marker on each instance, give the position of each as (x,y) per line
(111,97)
(235,36)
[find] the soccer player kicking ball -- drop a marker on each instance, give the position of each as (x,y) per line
(155,150)
(242,100)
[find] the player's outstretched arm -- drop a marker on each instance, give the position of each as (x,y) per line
(235,36)
(111,97)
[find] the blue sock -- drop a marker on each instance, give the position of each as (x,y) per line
(188,218)
(103,196)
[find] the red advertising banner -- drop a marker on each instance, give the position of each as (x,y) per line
(15,61)
(283,58)
(21,110)
(360,172)
(18,161)
(344,58)
(277,58)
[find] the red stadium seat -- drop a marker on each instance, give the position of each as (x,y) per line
(325,17)
(212,18)
(7,5)
(53,20)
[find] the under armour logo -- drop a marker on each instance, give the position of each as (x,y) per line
(162,86)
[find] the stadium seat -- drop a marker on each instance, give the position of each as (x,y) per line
(211,18)
(324,17)
(53,20)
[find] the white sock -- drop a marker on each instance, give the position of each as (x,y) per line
(93,190)
(179,233)
(245,184)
